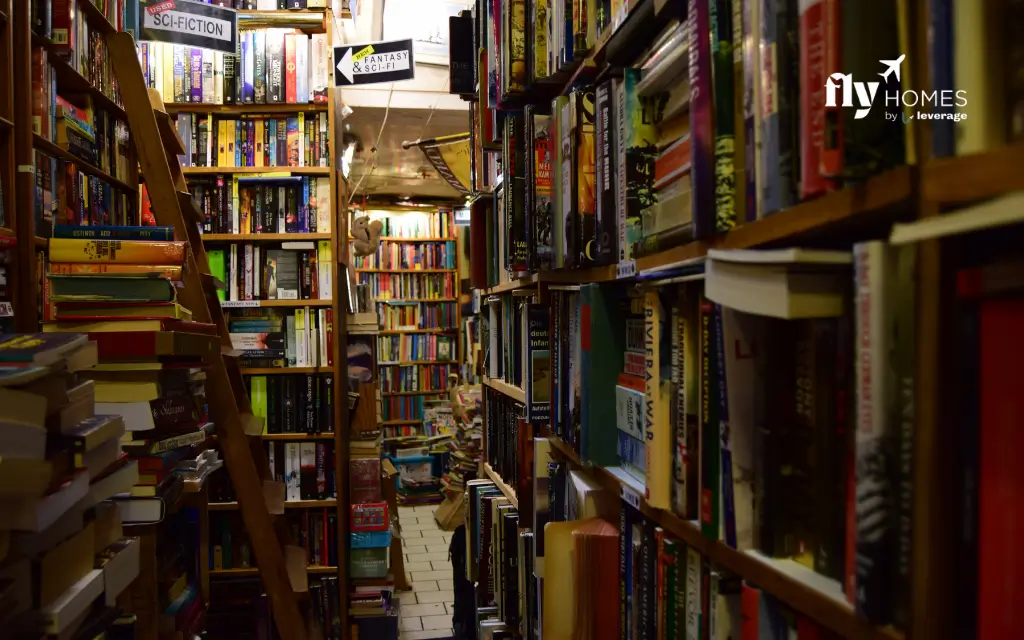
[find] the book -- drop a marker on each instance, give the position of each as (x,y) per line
(124,251)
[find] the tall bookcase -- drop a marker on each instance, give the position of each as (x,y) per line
(413,283)
(8,221)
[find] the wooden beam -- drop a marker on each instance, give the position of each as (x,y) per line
(220,385)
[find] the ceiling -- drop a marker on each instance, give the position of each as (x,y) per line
(399,172)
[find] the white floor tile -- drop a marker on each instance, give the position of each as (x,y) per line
(431,575)
(409,597)
(441,565)
(434,596)
(412,624)
(426,585)
(426,557)
(420,610)
(419,566)
(427,635)
(446,585)
(437,622)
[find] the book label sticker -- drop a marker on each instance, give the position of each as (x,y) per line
(239,304)
(631,497)
(373,63)
(205,26)
(6,310)
(626,269)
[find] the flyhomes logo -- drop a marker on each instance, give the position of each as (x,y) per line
(862,95)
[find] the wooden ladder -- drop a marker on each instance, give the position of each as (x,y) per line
(158,145)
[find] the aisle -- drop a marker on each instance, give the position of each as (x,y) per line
(427,609)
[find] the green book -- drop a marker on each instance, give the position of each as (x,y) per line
(603,345)
(110,288)
(258,397)
(218,269)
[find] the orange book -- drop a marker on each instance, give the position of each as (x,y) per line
(170,272)
(119,251)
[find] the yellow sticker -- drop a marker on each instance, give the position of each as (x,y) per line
(365,51)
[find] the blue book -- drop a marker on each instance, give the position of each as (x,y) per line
(303,199)
(246,66)
(940,50)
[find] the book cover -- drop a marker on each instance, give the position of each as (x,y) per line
(586,229)
(605,214)
(657,398)
(247,66)
(779,68)
(751,30)
(813,73)
(302,68)
(307,471)
(208,88)
(710,457)
(124,251)
(543,201)
(515,191)
(113,232)
(292,471)
(321,67)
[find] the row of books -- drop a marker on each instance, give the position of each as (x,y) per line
(272,66)
(315,530)
(440,255)
(395,286)
(437,225)
(277,338)
(514,328)
(301,403)
(404,407)
(300,271)
(45,21)
(64,194)
(656,361)
(409,348)
(78,44)
(259,141)
(419,377)
(239,604)
(263,204)
(306,468)
(417,315)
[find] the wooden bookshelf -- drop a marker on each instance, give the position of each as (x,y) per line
(265,237)
(406,270)
(392,423)
(288,504)
(505,388)
(53,149)
(242,304)
(246,108)
(253,571)
(964,179)
(296,171)
(506,490)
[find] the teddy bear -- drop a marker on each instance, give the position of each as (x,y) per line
(366,236)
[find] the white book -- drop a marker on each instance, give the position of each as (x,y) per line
(323,199)
(310,346)
(310,67)
(292,467)
(291,349)
(323,337)
(300,338)
(57,616)
(208,90)
(307,457)
(271,450)
(218,80)
(248,272)
(301,67)
(266,5)
(233,293)
(693,593)
(321,54)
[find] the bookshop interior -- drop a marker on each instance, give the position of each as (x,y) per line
(662,319)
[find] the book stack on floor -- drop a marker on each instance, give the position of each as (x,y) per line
(65,559)
(463,439)
(122,291)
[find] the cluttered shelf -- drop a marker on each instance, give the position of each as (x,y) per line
(881,197)
(70,81)
(264,237)
(293,437)
(794,584)
(53,149)
(299,171)
(245,108)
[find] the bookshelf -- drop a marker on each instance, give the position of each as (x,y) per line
(413,283)
(930,179)
(8,224)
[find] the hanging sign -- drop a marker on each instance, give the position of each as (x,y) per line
(373,63)
(195,24)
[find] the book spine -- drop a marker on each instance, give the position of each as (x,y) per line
(777,95)
(940,51)
(874,589)
(710,480)
(584,176)
(832,145)
(605,202)
(724,123)
(114,233)
(289,66)
(259,67)
(812,107)
(902,418)
(516,191)
(702,172)
(78,250)
(728,506)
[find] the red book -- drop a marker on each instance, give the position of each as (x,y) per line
(145,345)
(672,163)
(812,98)
(832,142)
(750,607)
(289,66)
(1000,473)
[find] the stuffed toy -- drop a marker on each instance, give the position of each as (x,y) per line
(366,236)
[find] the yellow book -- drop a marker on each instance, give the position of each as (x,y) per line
(126,391)
(259,142)
(85,311)
(302,139)
(125,251)
(168,72)
(220,143)
(657,395)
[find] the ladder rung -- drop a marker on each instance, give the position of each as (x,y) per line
(189,207)
(212,284)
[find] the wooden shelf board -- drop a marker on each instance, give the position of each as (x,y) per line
(298,171)
(413,393)
(264,237)
(960,180)
(6,124)
(392,423)
(245,109)
(283,303)
(825,608)
(298,436)
(97,20)
(877,196)
(507,389)
(395,332)
(254,571)
(403,363)
(506,490)
(395,239)
(70,81)
(415,300)
(53,149)
(405,270)
(294,504)
(7,231)
(270,371)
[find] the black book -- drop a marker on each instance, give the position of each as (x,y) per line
(282,145)
(273,398)
(288,421)
(515,192)
(604,176)
(256,219)
(325,403)
(259,67)
(461,55)
(269,209)
(310,403)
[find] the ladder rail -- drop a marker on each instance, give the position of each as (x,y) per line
(222,385)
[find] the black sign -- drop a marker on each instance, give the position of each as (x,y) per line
(189,23)
(461,56)
(373,63)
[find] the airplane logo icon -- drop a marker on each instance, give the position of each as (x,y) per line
(891,66)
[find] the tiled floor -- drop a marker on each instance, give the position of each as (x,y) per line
(427,609)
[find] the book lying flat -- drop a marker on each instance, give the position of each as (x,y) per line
(93,311)
(40,349)
(130,324)
(143,345)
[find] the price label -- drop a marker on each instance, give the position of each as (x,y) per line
(6,310)
(626,269)
(631,497)
(239,304)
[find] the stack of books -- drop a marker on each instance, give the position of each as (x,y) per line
(271,338)
(123,293)
(65,560)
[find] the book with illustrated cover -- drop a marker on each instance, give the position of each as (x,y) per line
(126,251)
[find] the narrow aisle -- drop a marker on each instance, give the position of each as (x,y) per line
(427,609)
